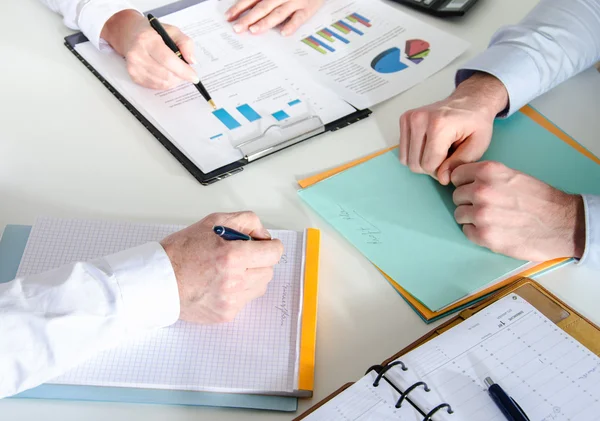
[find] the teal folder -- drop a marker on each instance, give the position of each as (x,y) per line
(12,246)
(404,223)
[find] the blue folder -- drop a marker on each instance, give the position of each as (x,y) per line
(12,246)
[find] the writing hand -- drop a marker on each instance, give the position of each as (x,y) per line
(217,278)
(150,62)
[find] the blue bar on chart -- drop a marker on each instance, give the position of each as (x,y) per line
(322,44)
(294,102)
(248,112)
(216,136)
(226,118)
(280,115)
(333,34)
(347,27)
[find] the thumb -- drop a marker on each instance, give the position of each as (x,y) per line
(468,151)
(249,223)
(184,43)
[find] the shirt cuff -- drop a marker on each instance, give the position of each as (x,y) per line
(147,284)
(94,15)
(513,67)
(591,255)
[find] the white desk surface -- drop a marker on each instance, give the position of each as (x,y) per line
(68,148)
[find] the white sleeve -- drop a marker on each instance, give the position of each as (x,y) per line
(591,255)
(89,16)
(53,321)
(554,42)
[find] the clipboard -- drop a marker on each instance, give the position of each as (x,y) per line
(564,316)
(250,154)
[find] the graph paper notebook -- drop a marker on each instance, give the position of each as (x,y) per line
(403,221)
(271,342)
(539,350)
(274,91)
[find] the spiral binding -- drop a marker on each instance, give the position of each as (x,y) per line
(382,370)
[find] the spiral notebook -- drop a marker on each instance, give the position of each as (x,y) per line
(268,350)
(538,349)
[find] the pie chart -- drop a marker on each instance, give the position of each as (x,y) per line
(416,50)
(388,61)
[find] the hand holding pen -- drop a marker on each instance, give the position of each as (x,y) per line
(150,62)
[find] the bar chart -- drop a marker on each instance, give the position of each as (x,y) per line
(246,112)
(338,32)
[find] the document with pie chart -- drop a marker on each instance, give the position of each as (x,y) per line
(368,51)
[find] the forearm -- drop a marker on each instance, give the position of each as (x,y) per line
(554,42)
(89,16)
(53,321)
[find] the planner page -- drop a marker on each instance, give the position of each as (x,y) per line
(550,374)
(257,352)
(363,401)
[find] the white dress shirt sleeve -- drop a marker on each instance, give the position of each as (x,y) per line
(89,16)
(554,42)
(591,255)
(53,321)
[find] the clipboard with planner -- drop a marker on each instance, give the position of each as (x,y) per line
(243,364)
(538,348)
(272,91)
(402,232)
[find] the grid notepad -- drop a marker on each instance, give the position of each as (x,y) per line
(551,375)
(258,352)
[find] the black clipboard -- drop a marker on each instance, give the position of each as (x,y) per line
(205,179)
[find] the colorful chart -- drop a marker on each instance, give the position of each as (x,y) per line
(416,50)
(356,18)
(346,28)
(388,61)
(331,36)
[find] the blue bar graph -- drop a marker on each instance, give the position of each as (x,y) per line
(248,112)
(294,102)
(226,118)
(216,136)
(361,17)
(280,115)
(352,28)
(322,44)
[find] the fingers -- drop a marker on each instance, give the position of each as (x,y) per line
(248,223)
(277,16)
(470,150)
(185,44)
(152,75)
(166,58)
(259,11)
(418,129)
(464,174)
(238,8)
(297,19)
(257,281)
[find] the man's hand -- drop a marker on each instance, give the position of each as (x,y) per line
(150,62)
(217,278)
(266,14)
(517,215)
(439,137)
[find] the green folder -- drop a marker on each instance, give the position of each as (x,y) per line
(403,222)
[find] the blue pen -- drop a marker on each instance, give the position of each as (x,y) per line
(509,407)
(230,234)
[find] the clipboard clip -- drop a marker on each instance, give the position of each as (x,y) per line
(277,136)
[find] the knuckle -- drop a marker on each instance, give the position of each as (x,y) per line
(481,215)
(490,168)
(482,193)
(228,259)
(485,237)
(419,117)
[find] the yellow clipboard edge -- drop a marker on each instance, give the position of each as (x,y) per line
(428,314)
(308,336)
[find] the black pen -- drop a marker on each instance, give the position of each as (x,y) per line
(155,24)
(509,407)
(229,234)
